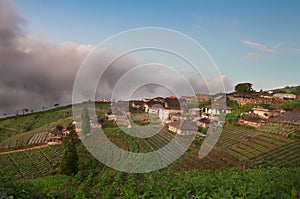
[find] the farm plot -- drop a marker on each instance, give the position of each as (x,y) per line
(38,138)
(23,140)
(257,145)
(232,135)
(280,129)
(216,159)
(31,163)
(285,155)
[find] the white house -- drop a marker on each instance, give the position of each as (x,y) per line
(266,112)
(183,128)
(284,96)
(208,110)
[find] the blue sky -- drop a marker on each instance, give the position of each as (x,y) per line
(250,41)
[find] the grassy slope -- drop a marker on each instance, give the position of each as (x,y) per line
(96,180)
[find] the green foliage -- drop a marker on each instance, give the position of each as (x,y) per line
(8,186)
(82,188)
(202,130)
(69,161)
(233,104)
(97,181)
(291,105)
(109,124)
(205,103)
(238,108)
(243,87)
(290,90)
(32,163)
(229,183)
(46,187)
(85,118)
(38,122)
(232,118)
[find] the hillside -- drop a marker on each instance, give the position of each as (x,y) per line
(243,163)
(289,90)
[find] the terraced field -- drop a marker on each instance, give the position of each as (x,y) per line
(238,146)
(256,145)
(287,155)
(280,129)
(31,163)
(258,149)
(24,140)
(20,131)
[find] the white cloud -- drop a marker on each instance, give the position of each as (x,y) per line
(254,57)
(35,73)
(261,47)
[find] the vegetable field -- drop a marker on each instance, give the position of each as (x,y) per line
(31,163)
(230,183)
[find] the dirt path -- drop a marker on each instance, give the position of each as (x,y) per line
(19,150)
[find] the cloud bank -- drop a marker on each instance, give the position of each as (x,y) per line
(35,73)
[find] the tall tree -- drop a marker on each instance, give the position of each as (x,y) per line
(85,119)
(25,110)
(69,161)
(243,87)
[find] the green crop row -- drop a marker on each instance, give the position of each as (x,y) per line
(230,183)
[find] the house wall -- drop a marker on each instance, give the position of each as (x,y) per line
(249,123)
(173,129)
(203,125)
(285,96)
(153,110)
(186,132)
(266,113)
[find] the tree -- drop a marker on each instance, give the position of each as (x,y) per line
(243,87)
(56,105)
(69,161)
(25,110)
(85,118)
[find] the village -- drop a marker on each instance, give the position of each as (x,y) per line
(189,115)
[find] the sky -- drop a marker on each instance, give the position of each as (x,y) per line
(44,42)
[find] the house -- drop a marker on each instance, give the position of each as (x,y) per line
(203,97)
(195,112)
(209,111)
(153,110)
(289,117)
(174,126)
(164,114)
(95,122)
(77,123)
(175,116)
(172,103)
(266,95)
(159,99)
(203,122)
(284,96)
(57,133)
(250,98)
(172,106)
(251,120)
(153,105)
(266,112)
(119,119)
(183,127)
(137,104)
(189,99)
